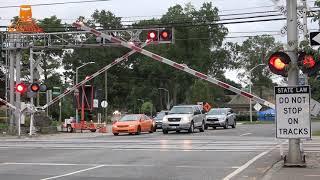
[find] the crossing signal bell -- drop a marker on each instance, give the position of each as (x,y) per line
(278,63)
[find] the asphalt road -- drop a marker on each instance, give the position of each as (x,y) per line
(242,153)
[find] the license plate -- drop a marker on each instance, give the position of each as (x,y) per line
(174,127)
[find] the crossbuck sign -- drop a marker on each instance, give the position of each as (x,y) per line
(293,112)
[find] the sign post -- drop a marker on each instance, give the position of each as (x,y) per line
(293,112)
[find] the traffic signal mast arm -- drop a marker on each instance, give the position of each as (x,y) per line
(8,104)
(116,61)
(156,57)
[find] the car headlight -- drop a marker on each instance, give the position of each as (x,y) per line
(165,120)
(115,126)
(185,119)
(222,119)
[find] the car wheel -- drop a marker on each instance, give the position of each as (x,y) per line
(206,127)
(226,125)
(69,128)
(116,134)
(138,130)
(202,127)
(214,127)
(164,131)
(151,129)
(234,124)
(178,131)
(191,129)
(93,130)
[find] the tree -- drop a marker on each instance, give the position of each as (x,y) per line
(147,108)
(256,50)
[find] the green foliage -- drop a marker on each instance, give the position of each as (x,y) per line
(147,108)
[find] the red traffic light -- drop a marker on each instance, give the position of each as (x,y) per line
(278,62)
(308,61)
(34,87)
(20,88)
(308,64)
(165,35)
(152,35)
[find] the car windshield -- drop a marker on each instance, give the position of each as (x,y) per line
(217,112)
(130,117)
(181,110)
(160,115)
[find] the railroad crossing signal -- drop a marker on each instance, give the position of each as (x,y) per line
(163,35)
(278,62)
(308,63)
(21,88)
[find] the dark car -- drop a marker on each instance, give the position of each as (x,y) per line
(159,118)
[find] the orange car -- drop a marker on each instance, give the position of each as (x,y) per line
(133,123)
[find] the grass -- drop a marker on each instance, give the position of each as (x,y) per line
(256,122)
(316,133)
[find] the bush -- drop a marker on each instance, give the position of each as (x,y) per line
(245,117)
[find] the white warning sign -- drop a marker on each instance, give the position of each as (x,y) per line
(293,112)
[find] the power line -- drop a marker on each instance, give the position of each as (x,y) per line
(57,3)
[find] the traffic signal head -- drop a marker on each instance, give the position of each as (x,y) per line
(152,35)
(165,35)
(308,64)
(278,62)
(20,88)
(35,87)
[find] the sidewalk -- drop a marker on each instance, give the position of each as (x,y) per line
(311,172)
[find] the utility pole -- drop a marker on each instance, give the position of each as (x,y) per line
(12,57)
(106,95)
(294,157)
(18,75)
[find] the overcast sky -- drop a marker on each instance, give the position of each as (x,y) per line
(134,9)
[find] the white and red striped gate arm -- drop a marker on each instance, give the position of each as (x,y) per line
(76,86)
(8,104)
(156,57)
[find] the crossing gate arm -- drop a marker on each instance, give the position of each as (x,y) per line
(8,104)
(116,61)
(181,67)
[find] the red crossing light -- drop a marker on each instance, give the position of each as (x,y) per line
(152,35)
(278,62)
(165,35)
(20,88)
(308,64)
(34,87)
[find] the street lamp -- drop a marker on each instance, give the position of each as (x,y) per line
(77,115)
(168,102)
(250,72)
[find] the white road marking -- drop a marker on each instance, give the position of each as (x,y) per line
(246,165)
(75,172)
(245,134)
(312,175)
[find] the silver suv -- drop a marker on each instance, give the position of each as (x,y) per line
(185,117)
(220,117)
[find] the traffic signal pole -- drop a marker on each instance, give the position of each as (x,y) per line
(294,157)
(31,81)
